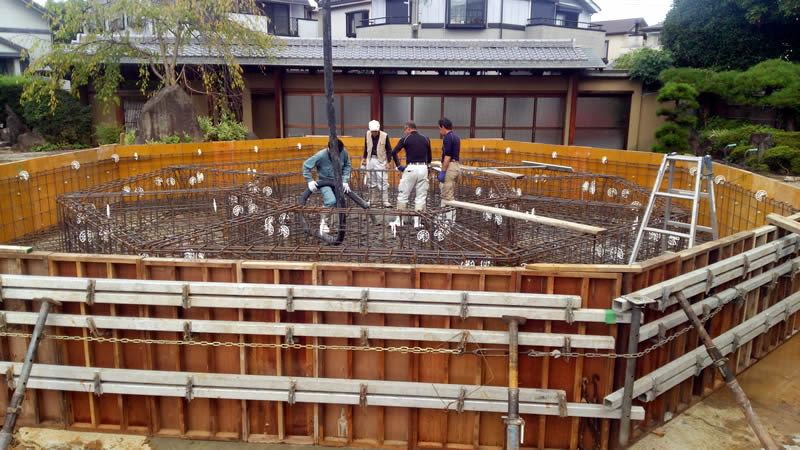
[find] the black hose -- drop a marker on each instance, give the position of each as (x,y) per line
(340,203)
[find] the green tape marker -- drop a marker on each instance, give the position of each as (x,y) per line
(611,316)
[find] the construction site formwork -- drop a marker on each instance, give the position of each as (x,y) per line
(583,375)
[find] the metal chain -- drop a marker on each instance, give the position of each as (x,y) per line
(401,349)
(558,353)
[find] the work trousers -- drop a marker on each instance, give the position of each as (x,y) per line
(378,178)
(448,188)
(415,178)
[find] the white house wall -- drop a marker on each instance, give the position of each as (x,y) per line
(26,27)
(515,12)
(432,11)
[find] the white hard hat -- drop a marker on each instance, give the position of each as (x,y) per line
(374,125)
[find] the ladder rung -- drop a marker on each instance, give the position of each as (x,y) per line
(668,232)
(688,192)
(688,226)
(679,196)
(695,159)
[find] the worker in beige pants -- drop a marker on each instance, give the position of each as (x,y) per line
(451,169)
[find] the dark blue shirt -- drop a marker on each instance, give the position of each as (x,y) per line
(451,146)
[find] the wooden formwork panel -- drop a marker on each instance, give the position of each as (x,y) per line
(257,421)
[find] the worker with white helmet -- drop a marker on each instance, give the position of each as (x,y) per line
(377,160)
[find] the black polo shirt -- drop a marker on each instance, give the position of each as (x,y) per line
(417,146)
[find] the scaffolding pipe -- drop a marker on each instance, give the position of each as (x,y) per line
(513,420)
(630,375)
(19,393)
(720,363)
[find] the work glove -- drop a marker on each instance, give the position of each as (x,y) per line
(346,187)
(401,168)
(312,186)
(441,176)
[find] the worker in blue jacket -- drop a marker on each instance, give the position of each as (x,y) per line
(323,162)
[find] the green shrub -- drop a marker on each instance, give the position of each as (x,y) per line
(130,137)
(721,123)
(780,159)
(228,128)
(754,165)
(70,123)
(108,134)
(171,140)
(737,155)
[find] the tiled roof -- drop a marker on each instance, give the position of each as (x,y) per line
(413,54)
(621,26)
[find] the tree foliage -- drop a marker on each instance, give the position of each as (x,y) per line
(774,83)
(731,34)
(673,136)
(156,34)
(645,65)
(68,124)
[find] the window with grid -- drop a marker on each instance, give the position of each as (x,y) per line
(306,114)
(517,118)
(466,13)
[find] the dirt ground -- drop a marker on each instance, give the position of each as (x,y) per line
(773,386)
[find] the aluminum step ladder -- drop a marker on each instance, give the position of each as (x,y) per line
(702,174)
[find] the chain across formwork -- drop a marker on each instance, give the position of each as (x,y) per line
(459,350)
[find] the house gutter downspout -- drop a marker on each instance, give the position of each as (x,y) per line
(502,2)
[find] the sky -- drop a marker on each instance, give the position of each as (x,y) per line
(653,11)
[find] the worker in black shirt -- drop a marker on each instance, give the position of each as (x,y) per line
(377,159)
(415,172)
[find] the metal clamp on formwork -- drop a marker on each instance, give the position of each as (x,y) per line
(189,393)
(462,344)
(185,297)
(562,404)
(570,314)
(655,385)
(462,395)
(745,265)
(1,289)
(666,292)
(363,308)
(362,395)
(706,312)
(290,300)
(292,390)
(786,312)
(3,321)
(464,306)
(364,337)
(187,331)
(662,332)
(709,280)
(719,363)
(92,327)
(698,365)
(90,292)
(767,321)
(97,385)
(773,283)
(741,296)
(795,271)
(12,382)
(289,335)
(735,342)
(567,349)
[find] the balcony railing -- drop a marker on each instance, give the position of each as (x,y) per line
(372,21)
(565,23)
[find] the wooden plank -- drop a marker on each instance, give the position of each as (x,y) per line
(784,223)
(528,217)
(15,249)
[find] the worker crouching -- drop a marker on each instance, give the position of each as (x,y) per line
(323,163)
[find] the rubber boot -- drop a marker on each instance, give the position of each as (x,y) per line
(418,220)
(400,221)
(385,195)
(326,218)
